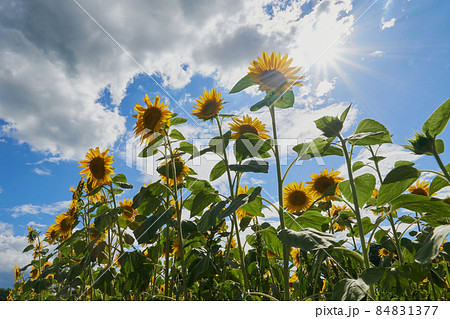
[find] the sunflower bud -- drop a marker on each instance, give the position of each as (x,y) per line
(421,144)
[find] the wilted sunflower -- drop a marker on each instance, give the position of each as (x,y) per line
(273,73)
(421,188)
(34,273)
(295,253)
(151,119)
(297,198)
(16,273)
(176,249)
(128,211)
(248,125)
(64,224)
(51,234)
(180,168)
(320,183)
(209,105)
(98,167)
(240,212)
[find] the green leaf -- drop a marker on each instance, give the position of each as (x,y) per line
(330,126)
(28,248)
(152,148)
(149,229)
(254,166)
(307,239)
(437,122)
(396,182)
(137,271)
(119,178)
(106,219)
(319,147)
(364,185)
(367,227)
(198,269)
(439,182)
(175,134)
(177,121)
(350,290)
(432,244)
(218,170)
(209,218)
(187,148)
(124,185)
(309,219)
(272,242)
(401,163)
(239,201)
(217,144)
(372,276)
(421,204)
(202,200)
(286,100)
(242,84)
(357,165)
(376,133)
(227,115)
(250,145)
(344,114)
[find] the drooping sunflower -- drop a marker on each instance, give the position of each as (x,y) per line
(273,73)
(176,249)
(181,170)
(31,234)
(51,234)
(295,253)
(73,208)
(208,105)
(16,273)
(151,119)
(128,211)
(421,188)
(34,273)
(320,183)
(248,125)
(240,212)
(64,224)
(297,198)
(98,167)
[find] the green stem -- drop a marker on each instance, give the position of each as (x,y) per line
(441,165)
(280,208)
(117,219)
(355,201)
(234,217)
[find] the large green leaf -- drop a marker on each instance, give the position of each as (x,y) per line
(187,148)
(272,242)
(177,121)
(209,218)
(148,230)
(350,290)
(308,239)
(319,147)
(255,206)
(152,147)
(286,100)
(239,201)
(330,126)
(432,244)
(421,204)
(439,182)
(218,170)
(437,121)
(364,185)
(367,227)
(396,182)
(370,132)
(309,219)
(254,166)
(250,145)
(203,199)
(106,219)
(175,134)
(242,84)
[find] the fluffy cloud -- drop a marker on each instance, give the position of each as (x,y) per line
(324,87)
(56,60)
(30,209)
(387,24)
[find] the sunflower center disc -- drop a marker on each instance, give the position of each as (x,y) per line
(151,118)
(297,198)
(97,167)
(210,108)
(419,191)
(323,183)
(272,78)
(247,128)
(65,224)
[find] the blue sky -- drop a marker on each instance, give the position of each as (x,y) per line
(69,83)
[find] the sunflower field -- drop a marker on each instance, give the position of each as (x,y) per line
(180,238)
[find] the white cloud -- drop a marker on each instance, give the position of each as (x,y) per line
(37,225)
(376,54)
(387,24)
(42,171)
(387,4)
(55,60)
(324,87)
(30,209)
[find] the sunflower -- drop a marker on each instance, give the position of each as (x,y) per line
(151,119)
(240,212)
(128,211)
(50,276)
(320,183)
(73,208)
(180,168)
(274,74)
(31,234)
(116,260)
(293,280)
(98,167)
(375,193)
(176,249)
(233,243)
(34,273)
(336,209)
(297,198)
(338,227)
(51,234)
(271,254)
(16,273)
(383,252)
(47,264)
(37,250)
(95,235)
(295,253)
(208,105)
(421,188)
(64,224)
(248,125)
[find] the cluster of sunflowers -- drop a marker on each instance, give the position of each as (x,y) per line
(179,238)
